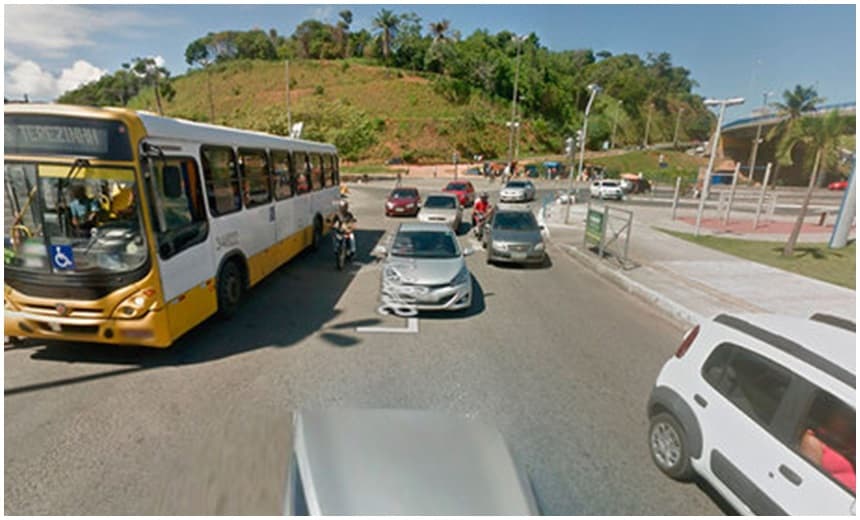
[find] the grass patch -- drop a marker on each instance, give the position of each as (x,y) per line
(375,169)
(836,266)
(647,161)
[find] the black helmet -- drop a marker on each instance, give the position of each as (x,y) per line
(484,195)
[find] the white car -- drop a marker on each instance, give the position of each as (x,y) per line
(762,407)
(517,191)
(443,208)
(607,189)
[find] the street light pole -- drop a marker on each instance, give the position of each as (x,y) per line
(722,103)
(677,126)
(518,41)
(615,125)
(757,142)
(594,88)
(289,113)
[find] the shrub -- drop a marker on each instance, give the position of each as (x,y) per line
(319,90)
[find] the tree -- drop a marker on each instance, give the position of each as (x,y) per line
(386,22)
(795,103)
(343,32)
(198,54)
(157,77)
(439,30)
(823,135)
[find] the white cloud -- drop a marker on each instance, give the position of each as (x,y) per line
(54,30)
(159,61)
(322,13)
(28,77)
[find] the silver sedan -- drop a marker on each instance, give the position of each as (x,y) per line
(425,269)
(514,236)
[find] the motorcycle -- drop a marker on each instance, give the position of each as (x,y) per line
(342,251)
(478,222)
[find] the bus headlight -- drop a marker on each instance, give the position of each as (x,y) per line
(135,305)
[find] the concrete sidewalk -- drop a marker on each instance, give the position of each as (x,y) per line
(691,282)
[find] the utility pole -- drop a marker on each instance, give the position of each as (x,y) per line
(513,122)
(648,125)
(722,103)
(289,114)
(758,139)
(615,125)
(677,126)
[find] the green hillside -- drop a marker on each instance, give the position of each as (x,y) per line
(411,120)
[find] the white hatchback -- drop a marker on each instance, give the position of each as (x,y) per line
(607,189)
(762,407)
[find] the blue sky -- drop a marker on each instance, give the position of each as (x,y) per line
(731,50)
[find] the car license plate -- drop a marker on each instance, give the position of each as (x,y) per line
(518,256)
(399,210)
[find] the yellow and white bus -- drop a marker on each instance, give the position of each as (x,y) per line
(125,227)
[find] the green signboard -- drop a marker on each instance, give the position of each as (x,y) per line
(594,227)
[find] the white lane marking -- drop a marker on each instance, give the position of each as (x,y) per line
(411,328)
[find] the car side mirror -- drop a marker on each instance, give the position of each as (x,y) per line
(468,251)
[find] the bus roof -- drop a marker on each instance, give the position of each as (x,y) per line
(172,128)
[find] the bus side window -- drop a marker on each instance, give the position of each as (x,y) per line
(303,174)
(184,212)
(255,177)
(282,172)
(333,170)
(316,172)
(222,179)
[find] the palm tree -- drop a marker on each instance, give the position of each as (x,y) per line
(343,32)
(386,21)
(822,134)
(439,30)
(791,110)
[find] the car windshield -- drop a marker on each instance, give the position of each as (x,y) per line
(425,244)
(455,186)
(515,221)
(404,194)
(84,222)
(516,184)
(610,184)
(440,203)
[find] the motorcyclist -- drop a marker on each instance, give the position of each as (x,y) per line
(481,209)
(344,221)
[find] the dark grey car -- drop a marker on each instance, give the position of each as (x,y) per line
(514,236)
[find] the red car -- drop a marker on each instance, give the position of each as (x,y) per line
(403,201)
(464,191)
(838,185)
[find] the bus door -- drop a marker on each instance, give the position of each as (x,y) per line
(302,207)
(181,228)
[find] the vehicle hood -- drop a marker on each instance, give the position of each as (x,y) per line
(448,214)
(513,191)
(406,462)
(424,271)
(518,237)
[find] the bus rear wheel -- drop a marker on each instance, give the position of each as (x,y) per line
(230,289)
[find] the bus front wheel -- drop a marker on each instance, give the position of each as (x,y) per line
(230,288)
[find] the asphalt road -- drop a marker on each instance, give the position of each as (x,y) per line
(559,359)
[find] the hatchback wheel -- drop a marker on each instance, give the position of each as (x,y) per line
(668,446)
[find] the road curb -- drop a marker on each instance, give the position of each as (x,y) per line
(672,309)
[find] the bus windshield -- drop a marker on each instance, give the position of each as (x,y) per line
(72,220)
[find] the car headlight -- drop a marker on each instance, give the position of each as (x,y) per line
(410,205)
(389,205)
(500,246)
(462,277)
(540,246)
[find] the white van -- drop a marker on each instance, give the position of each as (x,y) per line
(762,407)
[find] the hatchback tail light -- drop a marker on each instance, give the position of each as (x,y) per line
(689,338)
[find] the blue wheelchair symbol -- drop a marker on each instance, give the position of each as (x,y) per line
(62,257)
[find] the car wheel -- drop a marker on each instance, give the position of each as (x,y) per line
(668,446)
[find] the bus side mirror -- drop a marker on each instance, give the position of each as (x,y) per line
(171,182)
